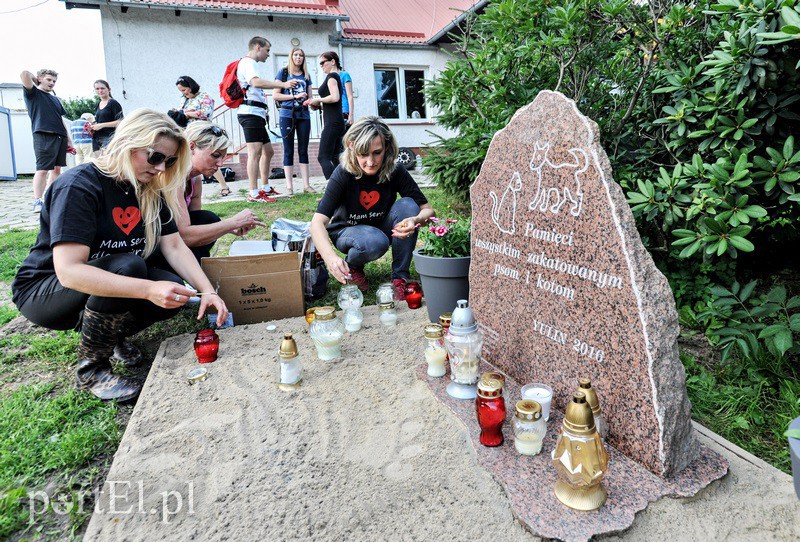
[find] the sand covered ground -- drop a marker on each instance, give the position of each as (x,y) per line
(362,451)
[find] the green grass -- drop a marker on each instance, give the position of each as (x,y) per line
(42,434)
(14,247)
(7,313)
(750,405)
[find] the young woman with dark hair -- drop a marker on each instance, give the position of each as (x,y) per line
(107,116)
(330,99)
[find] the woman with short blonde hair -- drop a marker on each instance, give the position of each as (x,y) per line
(360,213)
(88,269)
(200,228)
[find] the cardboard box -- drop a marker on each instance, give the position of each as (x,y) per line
(258,288)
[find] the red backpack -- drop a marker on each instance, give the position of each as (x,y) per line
(229,89)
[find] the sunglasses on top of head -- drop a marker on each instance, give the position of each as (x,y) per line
(216,131)
(155,158)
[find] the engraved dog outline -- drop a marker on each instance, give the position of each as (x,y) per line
(552,198)
(507,201)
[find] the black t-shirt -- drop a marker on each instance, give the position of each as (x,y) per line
(111,112)
(89,208)
(348,201)
(45,111)
(331,112)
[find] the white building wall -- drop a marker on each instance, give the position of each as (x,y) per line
(147,50)
(360,62)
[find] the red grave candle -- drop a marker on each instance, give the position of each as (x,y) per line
(491,409)
(413,293)
(206,345)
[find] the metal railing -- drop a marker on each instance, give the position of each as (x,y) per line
(225,117)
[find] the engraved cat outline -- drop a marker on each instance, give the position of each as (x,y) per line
(507,200)
(558,194)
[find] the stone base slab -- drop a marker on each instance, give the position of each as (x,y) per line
(529,481)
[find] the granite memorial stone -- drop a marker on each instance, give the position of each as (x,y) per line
(563,287)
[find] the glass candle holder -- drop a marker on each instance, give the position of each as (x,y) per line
(542,394)
(580,459)
(327,331)
(413,293)
(464,343)
(290,370)
(206,345)
(353,318)
(490,407)
(388,314)
(529,427)
(435,352)
(385,293)
(350,297)
(444,320)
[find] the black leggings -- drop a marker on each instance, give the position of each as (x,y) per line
(330,144)
(196,218)
(53,306)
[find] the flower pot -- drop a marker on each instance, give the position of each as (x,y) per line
(794,449)
(444,281)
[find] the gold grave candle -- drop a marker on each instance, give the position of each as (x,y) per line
(585,385)
(580,458)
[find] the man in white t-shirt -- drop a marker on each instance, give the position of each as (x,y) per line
(252,116)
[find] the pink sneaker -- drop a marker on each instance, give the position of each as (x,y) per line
(359,278)
(399,289)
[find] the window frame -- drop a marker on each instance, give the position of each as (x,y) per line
(400,69)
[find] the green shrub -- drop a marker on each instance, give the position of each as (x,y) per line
(76,107)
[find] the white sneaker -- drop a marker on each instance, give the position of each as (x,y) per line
(37,205)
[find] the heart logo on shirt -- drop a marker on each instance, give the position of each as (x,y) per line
(126,219)
(368,199)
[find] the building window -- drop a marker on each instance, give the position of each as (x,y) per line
(400,93)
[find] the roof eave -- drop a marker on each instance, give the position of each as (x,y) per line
(94,4)
(333,40)
(457,21)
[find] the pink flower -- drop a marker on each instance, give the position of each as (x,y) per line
(451,221)
(432,229)
(441,231)
(434,219)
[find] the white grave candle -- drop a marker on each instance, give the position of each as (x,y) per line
(540,393)
(436,360)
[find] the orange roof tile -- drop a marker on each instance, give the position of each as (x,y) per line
(400,21)
(324,8)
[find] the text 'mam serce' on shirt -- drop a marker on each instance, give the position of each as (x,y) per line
(348,201)
(245,72)
(91,209)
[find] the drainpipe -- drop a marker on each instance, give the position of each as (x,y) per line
(339,35)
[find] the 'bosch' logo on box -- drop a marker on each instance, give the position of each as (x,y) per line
(254,290)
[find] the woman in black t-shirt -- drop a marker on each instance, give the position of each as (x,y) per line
(330,94)
(107,116)
(88,268)
(360,213)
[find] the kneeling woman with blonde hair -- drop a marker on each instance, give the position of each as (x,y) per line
(87,270)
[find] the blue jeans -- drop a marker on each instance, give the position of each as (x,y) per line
(290,126)
(362,244)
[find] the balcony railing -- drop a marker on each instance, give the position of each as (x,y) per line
(225,117)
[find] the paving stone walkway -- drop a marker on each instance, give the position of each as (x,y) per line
(16,197)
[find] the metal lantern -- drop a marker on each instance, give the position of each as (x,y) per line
(464,342)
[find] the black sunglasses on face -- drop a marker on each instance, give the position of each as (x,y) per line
(155,158)
(323,62)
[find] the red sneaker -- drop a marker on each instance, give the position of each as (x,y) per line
(271,192)
(262,197)
(399,289)
(359,278)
